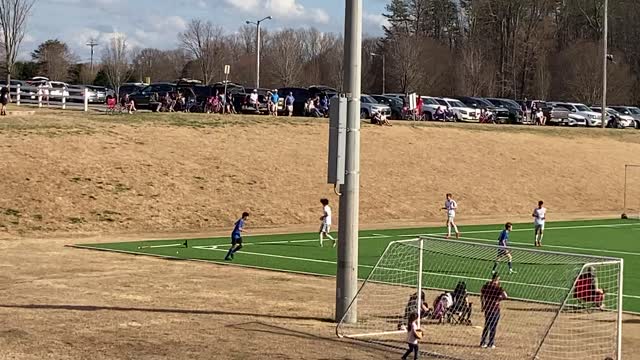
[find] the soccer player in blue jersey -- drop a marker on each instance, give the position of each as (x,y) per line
(236,236)
(503,248)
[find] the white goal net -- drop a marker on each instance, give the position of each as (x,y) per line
(559,306)
(632,191)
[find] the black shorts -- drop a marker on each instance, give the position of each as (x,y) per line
(236,240)
(4,100)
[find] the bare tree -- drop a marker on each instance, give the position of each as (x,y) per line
(13,23)
(285,51)
(204,41)
(116,62)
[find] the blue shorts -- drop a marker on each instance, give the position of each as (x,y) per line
(236,239)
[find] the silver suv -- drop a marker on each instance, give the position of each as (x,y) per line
(369,106)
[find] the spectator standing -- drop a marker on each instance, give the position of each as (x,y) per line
(419,104)
(253,100)
(414,334)
(491,295)
(288,101)
(4,99)
(275,98)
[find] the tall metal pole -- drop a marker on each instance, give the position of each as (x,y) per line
(347,270)
(383,75)
(92,44)
(605,50)
(258,54)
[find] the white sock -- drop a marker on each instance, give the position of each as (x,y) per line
(455,228)
(449,229)
(321,238)
(540,238)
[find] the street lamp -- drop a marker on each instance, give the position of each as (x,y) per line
(257,24)
(383,70)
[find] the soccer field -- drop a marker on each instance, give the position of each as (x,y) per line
(301,252)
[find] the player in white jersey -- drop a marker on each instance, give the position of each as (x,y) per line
(539,216)
(451,206)
(325,227)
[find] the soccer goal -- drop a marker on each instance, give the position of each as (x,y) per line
(554,310)
(632,191)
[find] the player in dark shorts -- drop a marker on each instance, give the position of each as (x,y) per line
(4,100)
(236,236)
(503,248)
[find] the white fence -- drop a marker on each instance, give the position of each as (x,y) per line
(62,97)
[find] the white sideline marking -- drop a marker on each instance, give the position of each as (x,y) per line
(369,266)
(160,246)
(553,246)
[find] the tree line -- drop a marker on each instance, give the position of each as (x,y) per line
(543,49)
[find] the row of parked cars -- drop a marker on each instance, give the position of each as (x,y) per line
(502,110)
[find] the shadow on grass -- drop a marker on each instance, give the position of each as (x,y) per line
(91,308)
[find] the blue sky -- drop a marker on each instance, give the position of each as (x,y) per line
(156,23)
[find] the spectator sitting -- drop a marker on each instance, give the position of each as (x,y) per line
(461,305)
(253,100)
(288,102)
(586,288)
(380,119)
(312,110)
(441,305)
(324,105)
(412,308)
(128,104)
(539,117)
(440,114)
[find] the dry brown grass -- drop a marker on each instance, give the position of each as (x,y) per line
(70,175)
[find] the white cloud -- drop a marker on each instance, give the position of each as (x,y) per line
(375,19)
(281,10)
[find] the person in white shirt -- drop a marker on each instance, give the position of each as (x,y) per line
(325,228)
(539,216)
(253,99)
(451,206)
(414,334)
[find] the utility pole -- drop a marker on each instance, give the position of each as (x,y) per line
(347,270)
(92,44)
(605,59)
(257,24)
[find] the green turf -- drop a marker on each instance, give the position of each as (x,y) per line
(301,253)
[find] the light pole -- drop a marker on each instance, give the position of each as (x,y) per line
(257,24)
(92,44)
(347,267)
(605,58)
(383,70)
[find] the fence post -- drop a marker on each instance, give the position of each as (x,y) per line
(64,98)
(86,99)
(18,95)
(40,96)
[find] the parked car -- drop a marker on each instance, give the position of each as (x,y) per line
(626,121)
(322,89)
(500,113)
(97,94)
(27,91)
(242,103)
(393,102)
(591,117)
(461,112)
(429,107)
(130,88)
(555,115)
(631,111)
(369,105)
(516,115)
(145,97)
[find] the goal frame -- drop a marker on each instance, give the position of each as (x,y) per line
(626,205)
(419,270)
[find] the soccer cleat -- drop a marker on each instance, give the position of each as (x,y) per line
(458,235)
(492,346)
(512,271)
(484,346)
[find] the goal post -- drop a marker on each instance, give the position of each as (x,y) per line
(631,192)
(560,305)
